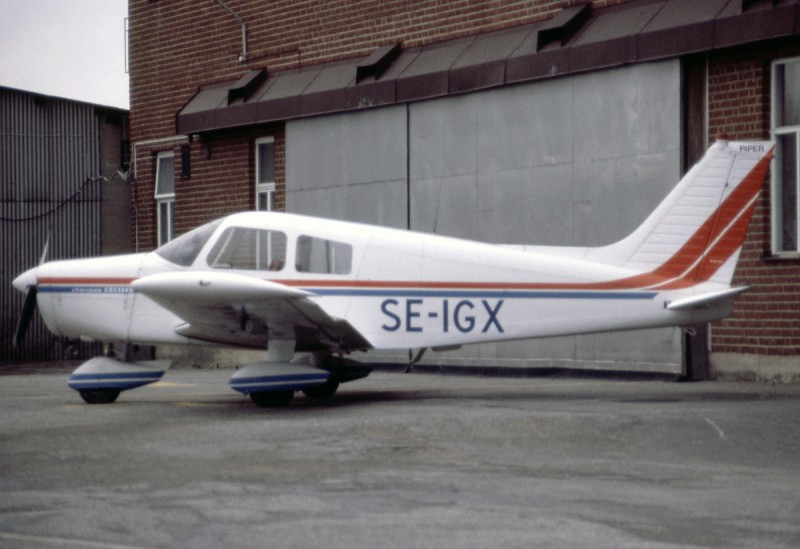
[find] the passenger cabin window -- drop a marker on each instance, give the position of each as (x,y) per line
(318,255)
(786,169)
(249,249)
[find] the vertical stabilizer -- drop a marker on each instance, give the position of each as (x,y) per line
(696,234)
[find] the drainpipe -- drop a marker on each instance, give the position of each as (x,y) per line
(242,56)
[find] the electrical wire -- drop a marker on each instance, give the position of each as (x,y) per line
(63,203)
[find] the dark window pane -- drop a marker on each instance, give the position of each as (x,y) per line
(787,192)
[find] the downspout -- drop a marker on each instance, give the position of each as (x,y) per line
(242,56)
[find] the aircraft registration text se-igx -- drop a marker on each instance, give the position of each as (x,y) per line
(462,315)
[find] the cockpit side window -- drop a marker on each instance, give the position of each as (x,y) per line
(184,249)
(249,249)
(319,255)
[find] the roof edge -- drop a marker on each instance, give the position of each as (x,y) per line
(577,39)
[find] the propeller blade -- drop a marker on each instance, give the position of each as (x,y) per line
(28,310)
(28,280)
(46,250)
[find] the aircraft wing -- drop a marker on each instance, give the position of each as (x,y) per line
(240,310)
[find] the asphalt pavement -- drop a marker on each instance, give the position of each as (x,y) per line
(400,460)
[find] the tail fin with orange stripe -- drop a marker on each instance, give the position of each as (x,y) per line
(696,234)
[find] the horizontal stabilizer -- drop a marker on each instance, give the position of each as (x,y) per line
(704,299)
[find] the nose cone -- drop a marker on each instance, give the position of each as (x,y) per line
(25,280)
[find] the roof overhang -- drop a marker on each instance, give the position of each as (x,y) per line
(577,39)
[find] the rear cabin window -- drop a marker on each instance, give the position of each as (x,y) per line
(249,249)
(318,255)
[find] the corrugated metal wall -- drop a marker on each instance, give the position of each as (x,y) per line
(49,165)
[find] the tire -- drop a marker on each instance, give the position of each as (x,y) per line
(272,399)
(99,396)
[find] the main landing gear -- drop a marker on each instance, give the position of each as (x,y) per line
(273,399)
(273,384)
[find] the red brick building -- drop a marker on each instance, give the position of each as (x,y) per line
(455,117)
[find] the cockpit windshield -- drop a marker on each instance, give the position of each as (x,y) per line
(183,250)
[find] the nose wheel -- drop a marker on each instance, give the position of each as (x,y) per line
(101,379)
(99,396)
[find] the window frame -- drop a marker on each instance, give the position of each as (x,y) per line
(165,201)
(777,182)
(264,187)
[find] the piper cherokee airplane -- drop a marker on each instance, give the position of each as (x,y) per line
(295,284)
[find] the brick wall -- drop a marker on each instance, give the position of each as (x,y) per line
(766,319)
(177,45)
(221,182)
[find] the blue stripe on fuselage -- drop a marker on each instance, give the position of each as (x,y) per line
(485,294)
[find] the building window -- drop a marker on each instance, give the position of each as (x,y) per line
(265,174)
(165,196)
(785,170)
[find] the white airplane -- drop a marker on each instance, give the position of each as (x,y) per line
(295,284)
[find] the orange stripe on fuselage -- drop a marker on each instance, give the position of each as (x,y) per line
(84,280)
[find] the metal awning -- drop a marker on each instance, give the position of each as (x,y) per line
(577,39)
